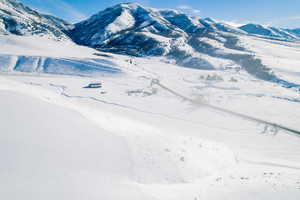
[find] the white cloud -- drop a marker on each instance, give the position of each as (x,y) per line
(196,11)
(184,7)
(189,9)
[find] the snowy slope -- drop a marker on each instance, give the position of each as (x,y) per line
(132,29)
(262,30)
(294,31)
(35,54)
(281,56)
(18,19)
(126,25)
(212,24)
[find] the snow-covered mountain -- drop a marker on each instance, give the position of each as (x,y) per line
(268,31)
(138,30)
(294,31)
(132,29)
(25,34)
(215,25)
(16,18)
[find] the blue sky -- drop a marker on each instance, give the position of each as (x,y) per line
(281,13)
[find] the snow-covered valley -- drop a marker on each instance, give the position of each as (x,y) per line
(134,140)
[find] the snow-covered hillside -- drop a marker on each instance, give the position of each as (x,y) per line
(224,126)
(36,54)
(295,31)
(132,29)
(262,30)
(16,18)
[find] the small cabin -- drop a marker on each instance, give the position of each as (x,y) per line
(95,85)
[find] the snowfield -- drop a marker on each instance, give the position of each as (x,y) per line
(132,139)
(283,56)
(40,55)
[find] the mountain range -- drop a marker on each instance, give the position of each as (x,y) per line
(262,30)
(131,29)
(136,24)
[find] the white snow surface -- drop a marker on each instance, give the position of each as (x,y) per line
(133,140)
(122,22)
(36,54)
(39,46)
(281,56)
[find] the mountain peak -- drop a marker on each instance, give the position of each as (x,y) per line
(130,5)
(131,24)
(208,19)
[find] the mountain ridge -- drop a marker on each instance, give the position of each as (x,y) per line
(19,19)
(269,31)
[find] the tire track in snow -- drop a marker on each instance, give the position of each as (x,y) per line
(270,164)
(243,116)
(65,94)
